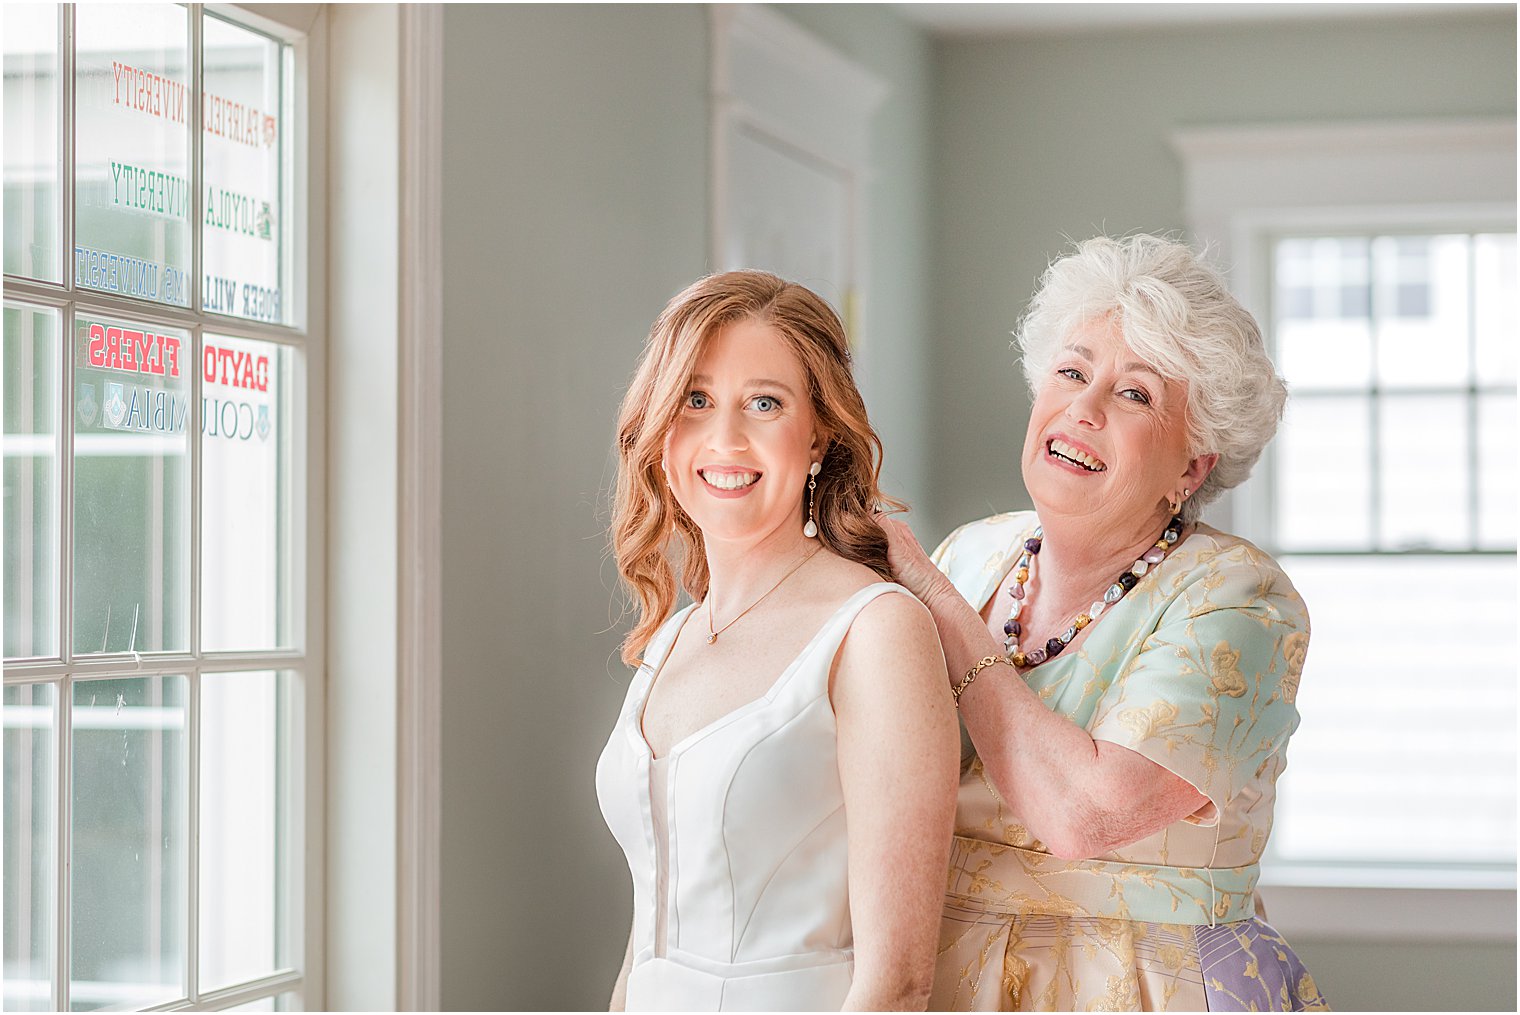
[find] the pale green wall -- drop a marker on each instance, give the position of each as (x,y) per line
(1412,975)
(575,205)
(575,197)
(893,364)
(1042,140)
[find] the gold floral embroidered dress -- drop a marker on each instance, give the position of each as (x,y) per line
(1197,669)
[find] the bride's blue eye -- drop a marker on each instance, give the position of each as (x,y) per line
(765,403)
(696,400)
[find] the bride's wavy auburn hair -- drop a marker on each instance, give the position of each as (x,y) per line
(653,540)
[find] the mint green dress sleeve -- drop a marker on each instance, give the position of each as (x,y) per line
(1210,694)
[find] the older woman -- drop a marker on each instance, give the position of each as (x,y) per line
(1126,674)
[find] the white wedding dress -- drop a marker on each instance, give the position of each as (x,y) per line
(736,842)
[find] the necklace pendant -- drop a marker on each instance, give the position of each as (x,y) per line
(711,638)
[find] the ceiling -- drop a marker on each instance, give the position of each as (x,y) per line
(963,19)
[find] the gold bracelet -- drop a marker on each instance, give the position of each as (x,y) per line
(960,688)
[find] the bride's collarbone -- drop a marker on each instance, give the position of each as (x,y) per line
(701,681)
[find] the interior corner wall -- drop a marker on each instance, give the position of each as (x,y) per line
(576,172)
(1040,141)
(575,204)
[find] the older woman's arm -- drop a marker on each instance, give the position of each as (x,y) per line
(898,756)
(1079,796)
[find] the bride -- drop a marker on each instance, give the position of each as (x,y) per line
(782,775)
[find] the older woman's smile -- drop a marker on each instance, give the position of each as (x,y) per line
(1073,455)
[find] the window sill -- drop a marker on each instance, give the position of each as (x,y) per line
(1390,904)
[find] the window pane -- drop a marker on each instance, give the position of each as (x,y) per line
(131,487)
(241,819)
(1422,310)
(1323,332)
(1323,474)
(244,227)
(1496,471)
(30,845)
(1497,320)
(127,856)
(30,397)
(132,150)
(1403,754)
(246,503)
(1425,473)
(31,141)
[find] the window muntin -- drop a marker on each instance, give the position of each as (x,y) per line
(1393,483)
(146,953)
(32,152)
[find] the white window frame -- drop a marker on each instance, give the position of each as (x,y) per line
(302,27)
(1245,186)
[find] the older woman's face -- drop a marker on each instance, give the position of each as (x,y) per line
(737,457)
(1107,435)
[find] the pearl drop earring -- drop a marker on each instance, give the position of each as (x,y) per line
(810,530)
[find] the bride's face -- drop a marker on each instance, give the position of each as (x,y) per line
(737,456)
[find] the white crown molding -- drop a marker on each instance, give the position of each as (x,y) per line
(1366,137)
(770,71)
(1237,178)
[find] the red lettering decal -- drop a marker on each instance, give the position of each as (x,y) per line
(262,374)
(171,357)
(113,348)
(208,364)
(116,77)
(245,376)
(97,348)
(225,356)
(129,350)
(146,361)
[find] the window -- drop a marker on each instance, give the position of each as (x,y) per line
(1393,509)
(1332,191)
(156,680)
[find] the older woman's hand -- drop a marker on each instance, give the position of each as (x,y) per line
(911,565)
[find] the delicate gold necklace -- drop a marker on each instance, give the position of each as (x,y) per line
(712,635)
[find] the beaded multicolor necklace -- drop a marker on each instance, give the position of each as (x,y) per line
(1115,592)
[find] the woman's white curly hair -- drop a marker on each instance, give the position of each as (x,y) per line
(1177,315)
